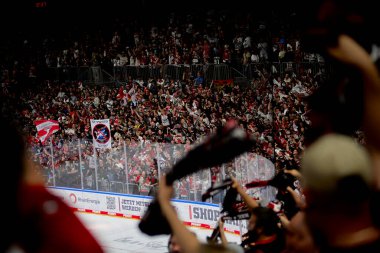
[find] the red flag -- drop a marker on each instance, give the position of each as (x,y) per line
(45,128)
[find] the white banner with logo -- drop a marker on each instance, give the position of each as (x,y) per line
(195,214)
(101,133)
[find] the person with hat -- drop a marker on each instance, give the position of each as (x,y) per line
(338,182)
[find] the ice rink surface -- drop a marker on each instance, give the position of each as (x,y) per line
(118,234)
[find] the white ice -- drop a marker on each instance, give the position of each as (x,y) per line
(118,234)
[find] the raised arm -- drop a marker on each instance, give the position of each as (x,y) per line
(349,52)
(186,239)
(223,238)
(251,203)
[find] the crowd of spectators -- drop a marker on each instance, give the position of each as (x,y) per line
(202,37)
(143,112)
(168,110)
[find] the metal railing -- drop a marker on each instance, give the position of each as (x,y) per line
(96,75)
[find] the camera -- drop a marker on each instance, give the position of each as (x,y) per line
(226,143)
(232,208)
(281,181)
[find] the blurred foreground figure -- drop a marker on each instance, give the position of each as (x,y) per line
(338,181)
(34,220)
(349,102)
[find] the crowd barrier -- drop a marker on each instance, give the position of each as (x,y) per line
(98,75)
(135,169)
(195,214)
